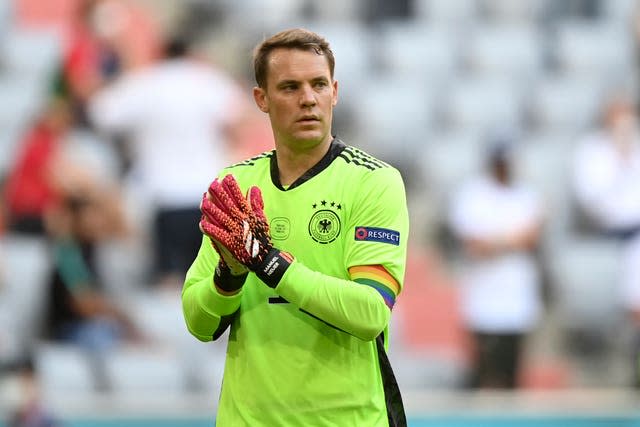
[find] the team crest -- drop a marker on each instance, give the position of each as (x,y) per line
(324,225)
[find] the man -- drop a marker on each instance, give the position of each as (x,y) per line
(499,222)
(308,326)
(606,171)
(180,115)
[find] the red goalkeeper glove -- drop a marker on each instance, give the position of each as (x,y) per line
(240,226)
(230,274)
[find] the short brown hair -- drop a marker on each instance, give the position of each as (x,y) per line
(295,38)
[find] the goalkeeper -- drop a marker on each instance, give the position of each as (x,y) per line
(303,257)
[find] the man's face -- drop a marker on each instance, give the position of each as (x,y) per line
(299,97)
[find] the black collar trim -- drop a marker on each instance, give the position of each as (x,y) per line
(334,151)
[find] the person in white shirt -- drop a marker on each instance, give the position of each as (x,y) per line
(606,182)
(179,116)
(498,223)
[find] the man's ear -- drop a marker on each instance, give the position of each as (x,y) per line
(260,96)
(335,93)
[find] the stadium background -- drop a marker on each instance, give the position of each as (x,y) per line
(422,84)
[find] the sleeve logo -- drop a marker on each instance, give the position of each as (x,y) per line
(381,235)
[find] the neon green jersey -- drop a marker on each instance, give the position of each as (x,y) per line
(310,352)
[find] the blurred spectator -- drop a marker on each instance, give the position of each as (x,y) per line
(606,179)
(105,37)
(178,114)
(3,212)
(89,59)
(29,190)
(79,310)
(607,172)
(498,222)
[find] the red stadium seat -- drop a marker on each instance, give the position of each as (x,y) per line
(428,309)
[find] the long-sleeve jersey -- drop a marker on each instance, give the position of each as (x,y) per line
(312,350)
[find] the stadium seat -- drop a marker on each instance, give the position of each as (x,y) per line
(265,13)
(602,50)
(509,51)
(515,12)
(449,159)
(565,104)
(6,19)
(133,369)
(340,10)
(478,104)
(543,162)
(418,51)
(585,281)
(446,11)
(621,12)
(20,101)
(396,109)
(430,346)
(63,369)
(159,316)
(25,264)
(10,139)
(32,53)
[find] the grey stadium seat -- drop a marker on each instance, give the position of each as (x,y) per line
(418,51)
(513,52)
(562,103)
(480,104)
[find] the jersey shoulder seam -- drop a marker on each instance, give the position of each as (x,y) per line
(355,156)
(253,160)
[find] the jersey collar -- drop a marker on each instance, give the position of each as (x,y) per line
(335,149)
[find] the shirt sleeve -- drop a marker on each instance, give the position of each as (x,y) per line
(344,304)
(73,269)
(207,313)
(378,229)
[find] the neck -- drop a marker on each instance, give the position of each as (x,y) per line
(292,164)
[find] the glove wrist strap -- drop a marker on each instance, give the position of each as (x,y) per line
(273,267)
(226,281)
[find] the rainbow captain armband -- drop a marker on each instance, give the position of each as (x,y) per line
(378,278)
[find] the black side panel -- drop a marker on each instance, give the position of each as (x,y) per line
(225,321)
(392,397)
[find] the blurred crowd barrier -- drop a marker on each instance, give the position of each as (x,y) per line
(88,127)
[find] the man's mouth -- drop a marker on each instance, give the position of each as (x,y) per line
(308,119)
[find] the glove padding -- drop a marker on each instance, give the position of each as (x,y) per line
(227,262)
(240,226)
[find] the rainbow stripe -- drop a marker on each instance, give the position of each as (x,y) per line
(378,278)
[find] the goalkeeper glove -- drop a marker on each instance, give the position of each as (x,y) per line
(240,226)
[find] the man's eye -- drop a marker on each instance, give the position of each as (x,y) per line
(321,84)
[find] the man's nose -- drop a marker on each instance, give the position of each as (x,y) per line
(307,97)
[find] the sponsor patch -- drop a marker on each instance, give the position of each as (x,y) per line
(374,234)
